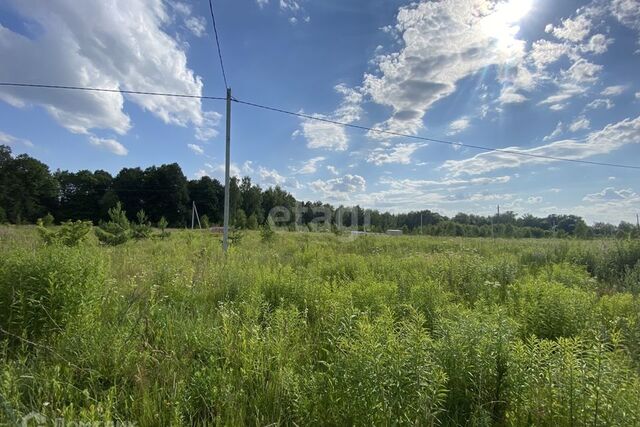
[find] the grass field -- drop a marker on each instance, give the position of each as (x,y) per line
(319,329)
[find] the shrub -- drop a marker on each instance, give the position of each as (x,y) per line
(70,233)
(267,234)
(47,220)
(142,229)
(162,225)
(204,221)
(118,230)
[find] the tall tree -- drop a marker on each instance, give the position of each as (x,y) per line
(28,189)
(166,194)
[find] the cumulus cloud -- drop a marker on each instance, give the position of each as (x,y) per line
(459,125)
(400,153)
(196,148)
(271,178)
(613,90)
(124,46)
(600,103)
(580,123)
(610,194)
(110,145)
(627,12)
(333,170)
(545,52)
(442,43)
(12,141)
(556,132)
(310,166)
(574,30)
(197,25)
(346,184)
(330,136)
(604,141)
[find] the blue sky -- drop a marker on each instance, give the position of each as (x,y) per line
(540,76)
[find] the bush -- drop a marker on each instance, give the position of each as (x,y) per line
(47,220)
(70,233)
(162,225)
(267,234)
(142,229)
(118,230)
(41,291)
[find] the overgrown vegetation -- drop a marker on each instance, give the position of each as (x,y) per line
(320,329)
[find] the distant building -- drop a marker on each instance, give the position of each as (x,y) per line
(358,233)
(394,232)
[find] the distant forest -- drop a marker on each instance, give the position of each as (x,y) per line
(29,191)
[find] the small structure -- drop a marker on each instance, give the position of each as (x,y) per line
(217,230)
(358,233)
(394,232)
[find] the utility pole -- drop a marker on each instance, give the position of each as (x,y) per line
(638,221)
(421,223)
(193,213)
(225,238)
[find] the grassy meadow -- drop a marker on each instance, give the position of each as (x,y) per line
(321,329)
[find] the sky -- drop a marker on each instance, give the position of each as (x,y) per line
(545,77)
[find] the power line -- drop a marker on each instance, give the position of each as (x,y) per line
(438,141)
(320,119)
(215,31)
(122,91)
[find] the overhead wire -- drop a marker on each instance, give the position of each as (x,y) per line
(435,140)
(330,121)
(121,91)
(215,32)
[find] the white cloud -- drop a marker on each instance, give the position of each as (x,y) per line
(637,95)
(110,145)
(262,3)
(580,123)
(600,103)
(534,200)
(197,25)
(459,125)
(400,153)
(207,130)
(604,141)
(610,194)
(333,170)
(627,12)
(423,185)
(12,141)
(271,177)
(598,44)
(573,82)
(330,136)
(196,148)
(574,30)
(509,96)
(124,45)
(614,90)
(347,184)
(442,43)
(247,167)
(310,166)
(556,132)
(545,52)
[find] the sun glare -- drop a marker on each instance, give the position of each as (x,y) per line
(502,24)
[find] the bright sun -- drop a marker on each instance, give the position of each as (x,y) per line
(502,24)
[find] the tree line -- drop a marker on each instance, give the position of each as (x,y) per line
(29,191)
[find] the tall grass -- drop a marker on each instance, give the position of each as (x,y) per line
(317,329)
